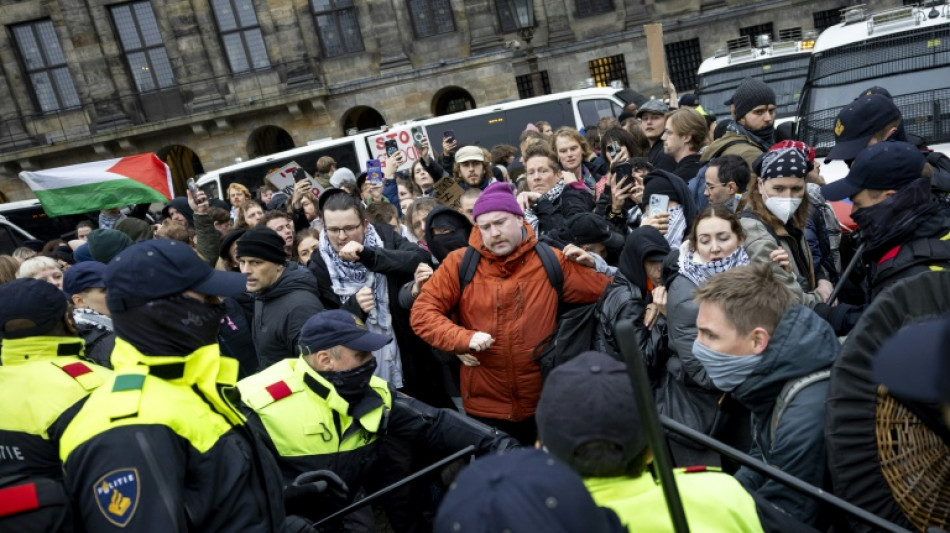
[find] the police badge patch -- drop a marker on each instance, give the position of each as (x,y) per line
(117,494)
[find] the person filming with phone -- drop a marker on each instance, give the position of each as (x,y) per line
(668,205)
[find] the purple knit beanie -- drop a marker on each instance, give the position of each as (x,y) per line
(497,197)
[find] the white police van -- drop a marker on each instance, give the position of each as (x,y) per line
(486,126)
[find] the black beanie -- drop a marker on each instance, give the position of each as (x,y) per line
(660,182)
(263,243)
(750,94)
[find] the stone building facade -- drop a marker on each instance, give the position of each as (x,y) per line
(205,82)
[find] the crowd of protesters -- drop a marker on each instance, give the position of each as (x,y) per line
(260,362)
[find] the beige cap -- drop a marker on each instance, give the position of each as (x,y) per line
(469,153)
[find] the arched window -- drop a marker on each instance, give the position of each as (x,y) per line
(451,100)
(267,140)
(361,118)
(184,164)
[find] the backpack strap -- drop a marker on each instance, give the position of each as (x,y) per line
(552,267)
(467,268)
(789,391)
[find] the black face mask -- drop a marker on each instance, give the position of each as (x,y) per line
(765,134)
(174,326)
(442,245)
(885,224)
(352,384)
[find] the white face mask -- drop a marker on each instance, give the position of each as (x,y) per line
(782,208)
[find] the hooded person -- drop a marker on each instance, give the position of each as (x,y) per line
(637,293)
(681,211)
(179,209)
(343,178)
(104,244)
(136,229)
(156,429)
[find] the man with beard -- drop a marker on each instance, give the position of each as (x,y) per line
(507,309)
(472,169)
(753,131)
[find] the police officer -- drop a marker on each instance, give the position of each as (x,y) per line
(157,447)
(41,381)
(326,409)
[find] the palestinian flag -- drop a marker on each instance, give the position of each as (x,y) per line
(137,179)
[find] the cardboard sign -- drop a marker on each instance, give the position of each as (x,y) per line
(408,139)
(283,179)
(448,192)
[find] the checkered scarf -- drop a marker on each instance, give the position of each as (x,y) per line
(699,273)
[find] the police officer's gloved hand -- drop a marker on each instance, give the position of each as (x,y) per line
(315,495)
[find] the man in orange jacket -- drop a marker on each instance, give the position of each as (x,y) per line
(507,309)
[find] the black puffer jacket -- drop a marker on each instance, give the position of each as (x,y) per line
(277,314)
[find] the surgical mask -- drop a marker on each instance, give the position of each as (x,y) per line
(726,371)
(352,384)
(782,208)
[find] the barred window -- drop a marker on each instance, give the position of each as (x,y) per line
(143,46)
(45,65)
(683,59)
(593,7)
(241,35)
(338,27)
(790,34)
(526,86)
(608,69)
(826,19)
(759,29)
(431,17)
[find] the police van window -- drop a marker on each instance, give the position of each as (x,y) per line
(252,177)
(592,110)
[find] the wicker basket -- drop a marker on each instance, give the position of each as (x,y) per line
(915,462)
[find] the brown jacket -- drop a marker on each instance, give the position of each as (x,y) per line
(511,299)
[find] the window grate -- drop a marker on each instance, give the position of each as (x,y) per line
(683,59)
(526,87)
(759,29)
(826,19)
(241,35)
(608,69)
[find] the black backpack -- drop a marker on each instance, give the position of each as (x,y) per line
(576,327)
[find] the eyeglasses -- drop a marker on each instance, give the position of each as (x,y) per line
(349,230)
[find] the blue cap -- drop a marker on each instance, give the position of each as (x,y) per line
(159,268)
(338,327)
(915,363)
(858,121)
(521,491)
(888,165)
(82,276)
(30,299)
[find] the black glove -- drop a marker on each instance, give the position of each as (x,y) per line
(315,495)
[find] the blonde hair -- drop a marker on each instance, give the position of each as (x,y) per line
(35,265)
(244,190)
(687,121)
(572,134)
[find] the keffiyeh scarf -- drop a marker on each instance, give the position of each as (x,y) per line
(699,273)
(531,217)
(347,278)
(677,227)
